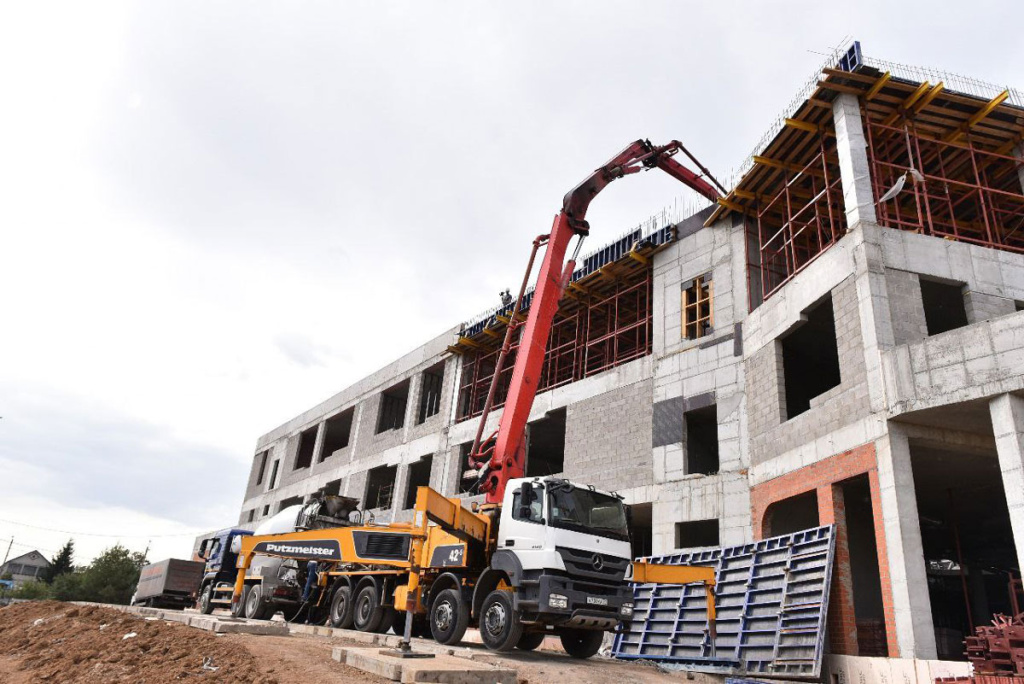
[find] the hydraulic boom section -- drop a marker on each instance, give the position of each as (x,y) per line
(501,457)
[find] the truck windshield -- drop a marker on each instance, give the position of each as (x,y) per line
(587,511)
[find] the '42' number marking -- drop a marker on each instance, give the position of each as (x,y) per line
(455,556)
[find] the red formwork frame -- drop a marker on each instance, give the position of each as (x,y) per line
(603,330)
(801,220)
(968,193)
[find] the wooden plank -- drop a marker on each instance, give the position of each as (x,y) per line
(877,86)
(841,88)
(853,76)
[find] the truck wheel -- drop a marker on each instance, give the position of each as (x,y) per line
(256,608)
(581,643)
(530,641)
(206,600)
(389,618)
(341,608)
(500,626)
(449,617)
(238,609)
(368,611)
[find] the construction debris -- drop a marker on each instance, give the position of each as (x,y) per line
(998,648)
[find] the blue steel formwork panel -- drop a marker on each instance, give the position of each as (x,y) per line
(772,601)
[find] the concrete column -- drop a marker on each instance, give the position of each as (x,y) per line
(353,442)
(851,145)
(318,444)
(892,643)
(1007,412)
(912,610)
(842,619)
(411,404)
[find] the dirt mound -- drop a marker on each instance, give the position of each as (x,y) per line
(50,641)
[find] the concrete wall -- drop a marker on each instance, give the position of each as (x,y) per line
(608,438)
(771,432)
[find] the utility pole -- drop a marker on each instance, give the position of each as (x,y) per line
(8,551)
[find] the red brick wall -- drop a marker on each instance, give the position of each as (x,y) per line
(820,477)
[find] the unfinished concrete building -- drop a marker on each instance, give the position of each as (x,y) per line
(839,340)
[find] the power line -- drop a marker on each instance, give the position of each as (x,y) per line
(100,534)
(27,546)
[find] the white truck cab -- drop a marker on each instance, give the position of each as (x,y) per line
(566,550)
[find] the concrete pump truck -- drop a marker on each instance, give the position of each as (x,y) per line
(541,556)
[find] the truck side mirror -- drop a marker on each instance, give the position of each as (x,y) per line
(525,497)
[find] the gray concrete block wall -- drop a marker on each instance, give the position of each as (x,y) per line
(608,438)
(371,441)
(846,403)
(983,307)
(706,251)
(981,360)
(355,484)
(254,468)
(440,419)
(724,497)
(908,321)
(766,400)
(983,269)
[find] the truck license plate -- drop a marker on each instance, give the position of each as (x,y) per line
(597,601)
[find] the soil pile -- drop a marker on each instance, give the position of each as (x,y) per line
(50,641)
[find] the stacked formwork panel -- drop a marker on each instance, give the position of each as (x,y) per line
(772,603)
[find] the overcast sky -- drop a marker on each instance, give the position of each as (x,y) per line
(217,214)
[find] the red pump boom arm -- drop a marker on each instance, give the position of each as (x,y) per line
(502,456)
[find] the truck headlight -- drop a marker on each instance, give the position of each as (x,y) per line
(558,601)
(627,609)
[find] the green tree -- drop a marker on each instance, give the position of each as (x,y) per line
(112,577)
(67,587)
(62,563)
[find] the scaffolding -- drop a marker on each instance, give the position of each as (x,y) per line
(963,191)
(803,218)
(603,321)
(945,157)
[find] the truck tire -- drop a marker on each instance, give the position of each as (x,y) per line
(368,611)
(341,608)
(206,599)
(449,617)
(238,609)
(390,618)
(530,641)
(581,643)
(256,607)
(500,626)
